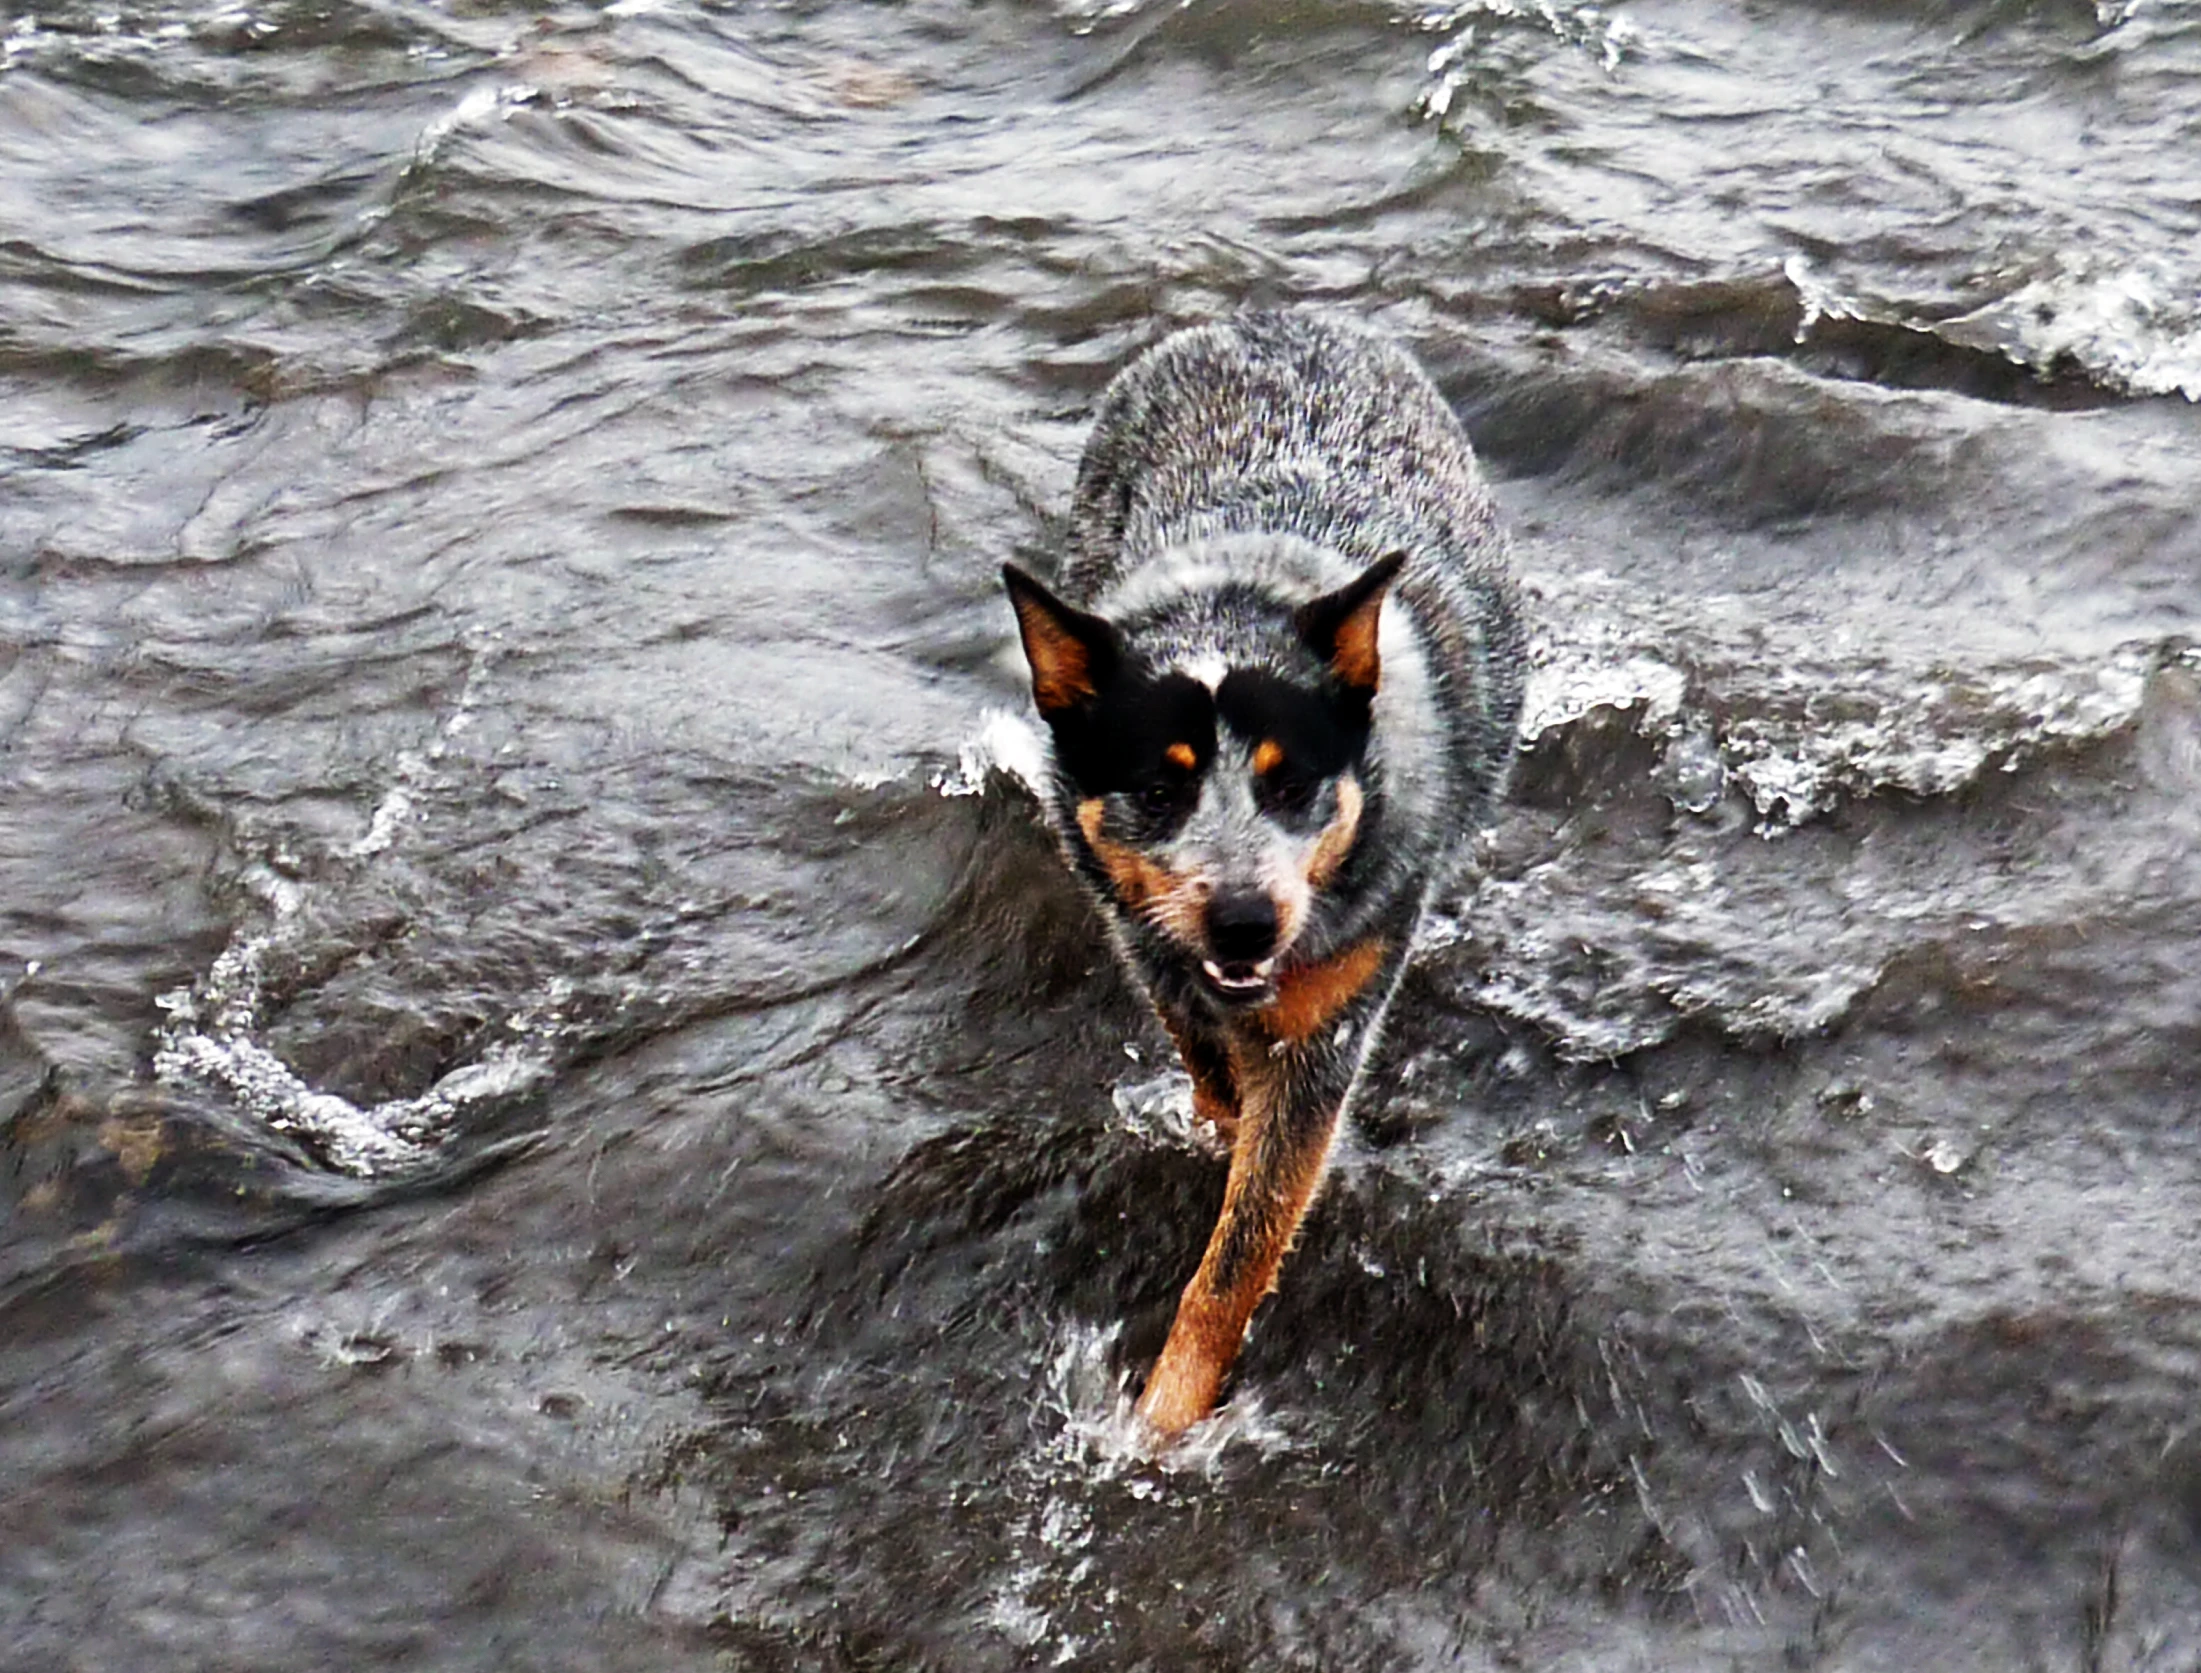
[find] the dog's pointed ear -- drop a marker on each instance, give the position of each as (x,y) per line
(1072,652)
(1340,627)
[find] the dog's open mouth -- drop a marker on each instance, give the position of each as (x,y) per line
(1241,981)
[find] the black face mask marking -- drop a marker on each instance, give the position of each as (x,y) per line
(1316,734)
(1132,739)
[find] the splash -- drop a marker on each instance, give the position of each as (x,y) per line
(211,1037)
(1589,28)
(1100,1432)
(1753,730)
(2134,326)
(20,43)
(1056,1594)
(1797,724)
(1159,1111)
(475,109)
(1005,743)
(1088,15)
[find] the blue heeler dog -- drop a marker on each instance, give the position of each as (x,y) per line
(1282,682)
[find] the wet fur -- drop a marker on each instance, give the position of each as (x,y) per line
(1241,481)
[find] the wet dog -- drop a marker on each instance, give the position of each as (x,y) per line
(1281,680)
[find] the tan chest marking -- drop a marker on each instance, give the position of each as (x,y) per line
(1309,996)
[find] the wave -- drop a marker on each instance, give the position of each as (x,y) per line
(1756,839)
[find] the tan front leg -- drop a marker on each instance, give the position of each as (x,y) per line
(1289,1096)
(1276,1166)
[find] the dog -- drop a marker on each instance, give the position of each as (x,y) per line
(1281,681)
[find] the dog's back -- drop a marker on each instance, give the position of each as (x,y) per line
(1302,426)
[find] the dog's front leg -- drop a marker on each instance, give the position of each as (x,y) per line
(1293,1064)
(1287,1119)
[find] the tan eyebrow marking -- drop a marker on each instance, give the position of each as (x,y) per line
(1182,755)
(1268,755)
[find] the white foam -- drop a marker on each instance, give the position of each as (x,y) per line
(1592,28)
(1004,742)
(1819,297)
(474,109)
(1932,736)
(21,42)
(210,1036)
(1790,720)
(2128,325)
(2134,326)
(1563,692)
(1088,15)
(1739,700)
(392,811)
(377,1140)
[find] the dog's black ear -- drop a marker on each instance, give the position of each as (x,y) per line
(1072,653)
(1340,626)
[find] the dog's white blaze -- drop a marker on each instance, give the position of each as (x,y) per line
(1208,668)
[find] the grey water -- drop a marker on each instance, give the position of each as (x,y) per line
(557,1109)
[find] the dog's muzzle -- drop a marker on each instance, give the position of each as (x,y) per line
(1241,935)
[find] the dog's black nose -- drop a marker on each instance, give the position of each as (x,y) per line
(1241,928)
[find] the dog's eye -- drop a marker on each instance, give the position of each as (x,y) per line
(1279,785)
(1283,790)
(1165,798)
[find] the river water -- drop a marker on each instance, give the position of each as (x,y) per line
(558,1109)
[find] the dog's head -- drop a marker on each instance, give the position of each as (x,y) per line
(1218,795)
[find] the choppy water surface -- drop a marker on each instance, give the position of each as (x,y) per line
(558,1112)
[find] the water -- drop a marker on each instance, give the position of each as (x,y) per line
(558,1110)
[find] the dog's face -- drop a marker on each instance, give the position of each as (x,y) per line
(1216,799)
